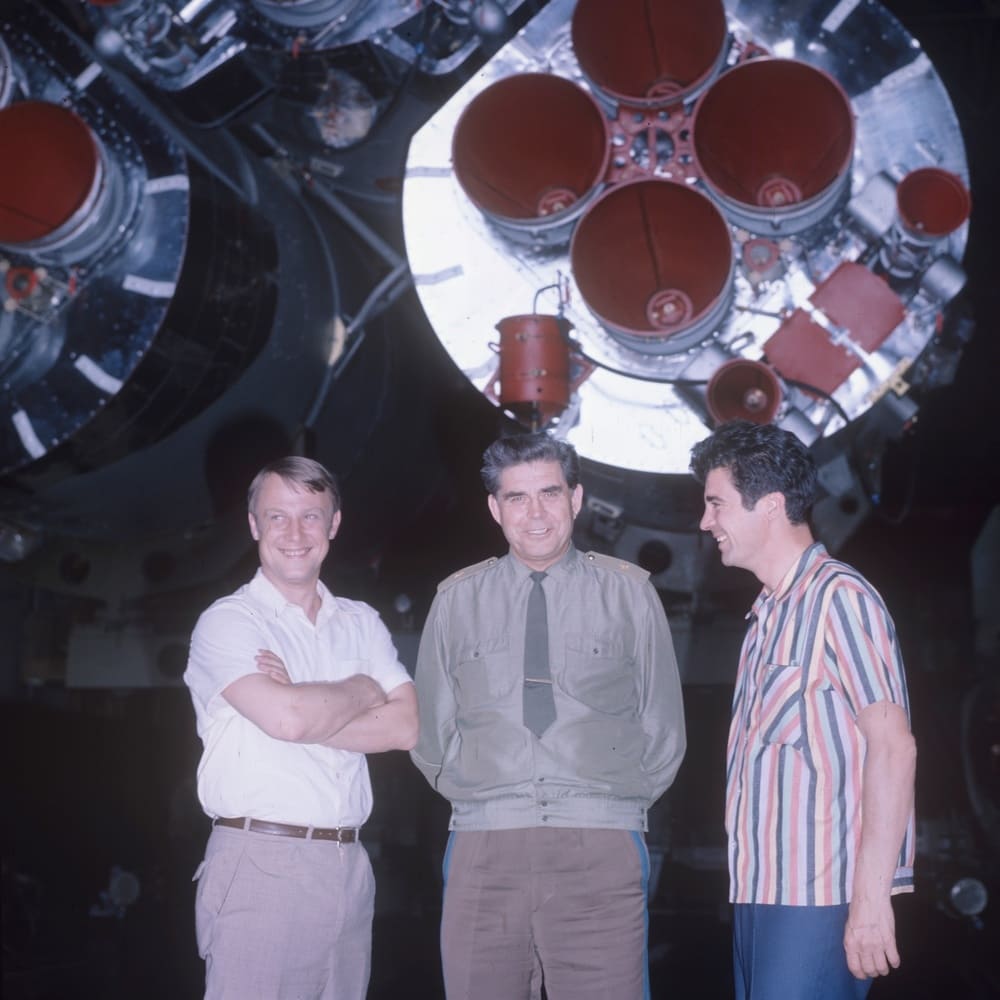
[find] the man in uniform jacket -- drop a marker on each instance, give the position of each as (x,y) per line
(551,720)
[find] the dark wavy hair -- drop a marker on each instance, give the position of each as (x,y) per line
(297,471)
(761,459)
(520,448)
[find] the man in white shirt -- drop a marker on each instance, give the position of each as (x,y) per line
(291,687)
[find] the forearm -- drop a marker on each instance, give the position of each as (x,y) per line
(887,801)
(317,712)
(390,726)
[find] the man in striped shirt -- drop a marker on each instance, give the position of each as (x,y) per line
(821,761)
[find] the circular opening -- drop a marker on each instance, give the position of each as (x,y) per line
(647,52)
(849,505)
(932,202)
(530,146)
(773,133)
(49,170)
(743,390)
(655,557)
(652,257)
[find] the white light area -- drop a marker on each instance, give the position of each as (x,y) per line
(146,286)
(96,375)
(785,49)
(88,76)
(838,15)
(650,428)
(172,182)
(26,432)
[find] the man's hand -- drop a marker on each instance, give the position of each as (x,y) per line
(271,664)
(870,938)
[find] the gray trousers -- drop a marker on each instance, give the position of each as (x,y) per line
(284,919)
(564,905)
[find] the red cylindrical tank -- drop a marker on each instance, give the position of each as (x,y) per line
(534,365)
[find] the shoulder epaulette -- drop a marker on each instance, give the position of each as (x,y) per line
(620,565)
(466,572)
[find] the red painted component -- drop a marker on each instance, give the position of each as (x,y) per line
(648,52)
(534,365)
(651,257)
(20,282)
(773,132)
(743,390)
(932,202)
(853,299)
(49,170)
(530,145)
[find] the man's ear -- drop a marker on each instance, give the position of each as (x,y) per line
(491,502)
(576,499)
(773,504)
(334,525)
(254,532)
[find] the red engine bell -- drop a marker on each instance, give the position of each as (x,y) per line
(742,389)
(50,172)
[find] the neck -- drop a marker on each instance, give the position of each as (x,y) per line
(784,553)
(305,595)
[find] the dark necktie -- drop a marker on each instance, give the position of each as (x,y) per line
(539,705)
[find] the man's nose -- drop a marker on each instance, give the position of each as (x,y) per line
(706,520)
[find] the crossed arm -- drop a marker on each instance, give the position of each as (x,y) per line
(887,798)
(352,714)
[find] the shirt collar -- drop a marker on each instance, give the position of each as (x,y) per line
(271,599)
(799,573)
(564,564)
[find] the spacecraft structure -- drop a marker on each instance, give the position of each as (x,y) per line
(745,210)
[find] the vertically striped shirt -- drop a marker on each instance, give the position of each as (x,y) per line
(820,648)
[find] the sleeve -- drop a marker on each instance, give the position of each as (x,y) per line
(385,665)
(223,646)
(661,705)
(435,696)
(862,648)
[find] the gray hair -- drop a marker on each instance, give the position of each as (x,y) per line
(521,448)
(298,471)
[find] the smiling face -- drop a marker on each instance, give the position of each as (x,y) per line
(535,508)
(742,535)
(293,528)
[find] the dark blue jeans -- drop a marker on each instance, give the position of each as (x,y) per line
(792,953)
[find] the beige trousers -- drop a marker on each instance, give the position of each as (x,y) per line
(284,919)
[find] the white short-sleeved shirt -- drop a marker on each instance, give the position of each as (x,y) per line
(245,772)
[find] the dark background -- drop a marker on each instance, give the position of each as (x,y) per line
(100,779)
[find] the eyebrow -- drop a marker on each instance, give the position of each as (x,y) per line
(509,494)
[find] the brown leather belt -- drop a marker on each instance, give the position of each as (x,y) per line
(339,834)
